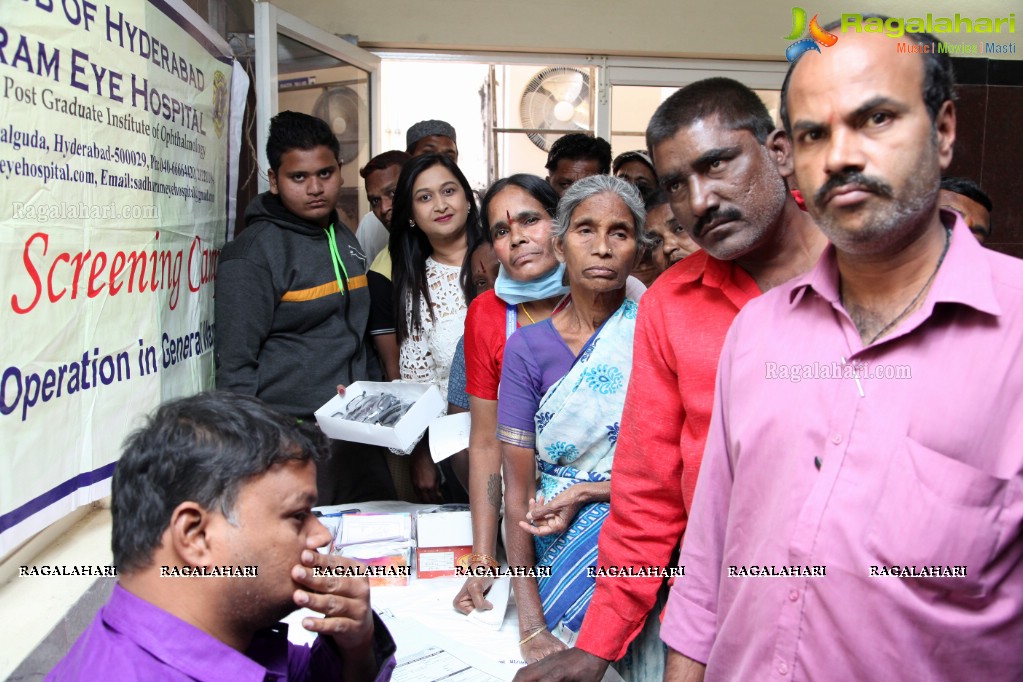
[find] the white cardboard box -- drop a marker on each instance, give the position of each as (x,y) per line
(428,406)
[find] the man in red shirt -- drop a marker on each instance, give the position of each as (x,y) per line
(724,166)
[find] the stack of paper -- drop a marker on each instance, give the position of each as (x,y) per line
(383,540)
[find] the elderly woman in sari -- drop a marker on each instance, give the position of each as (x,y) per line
(563,387)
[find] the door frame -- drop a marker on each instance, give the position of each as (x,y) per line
(271,20)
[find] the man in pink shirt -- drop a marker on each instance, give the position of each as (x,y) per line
(723,166)
(859,508)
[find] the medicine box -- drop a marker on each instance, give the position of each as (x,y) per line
(391,561)
(382,540)
(444,540)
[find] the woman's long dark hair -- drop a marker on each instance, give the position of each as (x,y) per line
(410,247)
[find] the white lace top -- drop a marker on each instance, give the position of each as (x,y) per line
(425,356)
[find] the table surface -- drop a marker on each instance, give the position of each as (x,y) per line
(421,614)
(423,609)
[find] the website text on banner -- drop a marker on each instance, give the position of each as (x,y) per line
(114,188)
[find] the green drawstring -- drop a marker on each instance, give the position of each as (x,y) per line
(339,265)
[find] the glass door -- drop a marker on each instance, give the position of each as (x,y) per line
(638,86)
(300,67)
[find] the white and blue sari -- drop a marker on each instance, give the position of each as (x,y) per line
(576,432)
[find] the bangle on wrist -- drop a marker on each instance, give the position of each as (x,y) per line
(532,634)
(485,559)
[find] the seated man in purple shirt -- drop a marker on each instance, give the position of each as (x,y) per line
(859,509)
(219,488)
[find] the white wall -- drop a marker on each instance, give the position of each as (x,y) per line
(416,91)
(741,29)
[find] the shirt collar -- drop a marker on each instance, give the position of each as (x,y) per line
(690,268)
(717,272)
(188,649)
(735,283)
(965,276)
(725,275)
(701,264)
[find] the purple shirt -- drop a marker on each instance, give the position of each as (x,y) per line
(131,639)
(535,357)
(921,454)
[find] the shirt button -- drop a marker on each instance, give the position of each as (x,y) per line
(794,595)
(836,438)
(783,669)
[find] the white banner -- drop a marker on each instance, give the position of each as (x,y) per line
(115,179)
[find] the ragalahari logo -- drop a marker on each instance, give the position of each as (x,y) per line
(817,35)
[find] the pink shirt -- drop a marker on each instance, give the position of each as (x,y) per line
(919,473)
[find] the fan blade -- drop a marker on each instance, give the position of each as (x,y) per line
(543,103)
(543,92)
(573,86)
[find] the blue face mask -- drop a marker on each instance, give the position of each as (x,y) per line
(545,286)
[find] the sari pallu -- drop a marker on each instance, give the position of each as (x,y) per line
(576,432)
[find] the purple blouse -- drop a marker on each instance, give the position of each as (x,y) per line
(534,359)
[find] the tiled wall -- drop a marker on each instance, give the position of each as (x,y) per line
(989,142)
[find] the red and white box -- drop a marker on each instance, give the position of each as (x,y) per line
(444,541)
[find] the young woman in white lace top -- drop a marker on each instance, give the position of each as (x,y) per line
(434,225)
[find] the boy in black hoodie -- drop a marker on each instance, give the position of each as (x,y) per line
(292,303)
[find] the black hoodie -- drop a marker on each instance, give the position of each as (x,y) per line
(284,332)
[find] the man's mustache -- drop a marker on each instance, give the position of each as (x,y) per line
(716,217)
(875,185)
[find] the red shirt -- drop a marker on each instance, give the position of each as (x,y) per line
(485,336)
(683,319)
